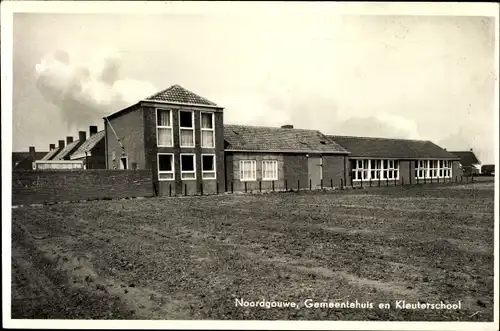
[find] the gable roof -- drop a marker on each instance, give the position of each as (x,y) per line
(88,144)
(66,150)
(178,94)
(467,158)
(391,148)
(50,155)
(19,158)
(270,139)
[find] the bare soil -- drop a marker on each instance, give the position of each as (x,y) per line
(191,257)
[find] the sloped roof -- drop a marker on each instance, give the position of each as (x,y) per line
(50,155)
(89,143)
(178,94)
(269,139)
(467,158)
(18,157)
(391,148)
(66,150)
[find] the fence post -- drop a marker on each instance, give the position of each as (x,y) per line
(298,185)
(402,181)
(185,189)
(310,184)
(395,182)
(217,186)
(245,187)
(286,185)
(331,183)
(260,186)
(169,190)
(461,178)
(456,179)
(386,181)
(431,179)
(201,188)
(379,180)
(321,183)
(438,179)
(417,180)
(232,188)
(370,182)
(273,185)
(341,183)
(361,182)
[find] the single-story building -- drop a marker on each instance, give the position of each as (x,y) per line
(259,157)
(469,163)
(396,161)
(93,150)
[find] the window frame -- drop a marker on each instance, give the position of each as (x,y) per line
(263,172)
(171,127)
(186,128)
(362,170)
(205,129)
(428,167)
(254,171)
(165,171)
(190,171)
(209,171)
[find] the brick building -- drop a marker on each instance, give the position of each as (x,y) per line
(176,133)
(260,157)
(93,150)
(396,161)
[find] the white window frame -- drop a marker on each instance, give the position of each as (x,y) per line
(275,163)
(165,171)
(188,172)
(121,164)
(254,162)
(205,129)
(164,127)
(203,172)
(362,171)
(186,128)
(427,168)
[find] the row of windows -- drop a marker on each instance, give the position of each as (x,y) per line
(433,169)
(375,169)
(166,168)
(165,133)
(248,170)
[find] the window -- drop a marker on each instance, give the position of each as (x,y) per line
(186,127)
(188,166)
(375,169)
(123,163)
(433,169)
(248,170)
(207,130)
(164,131)
(208,166)
(165,166)
(269,170)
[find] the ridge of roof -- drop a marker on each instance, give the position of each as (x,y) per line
(179,94)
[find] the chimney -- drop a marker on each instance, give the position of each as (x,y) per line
(287,126)
(82,136)
(52,146)
(93,130)
(471,149)
(32,153)
(69,140)
(61,144)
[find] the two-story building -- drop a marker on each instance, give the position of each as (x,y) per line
(176,133)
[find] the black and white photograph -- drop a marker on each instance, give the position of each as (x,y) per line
(265,165)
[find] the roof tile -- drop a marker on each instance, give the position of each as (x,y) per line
(89,143)
(178,94)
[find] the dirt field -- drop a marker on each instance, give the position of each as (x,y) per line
(192,257)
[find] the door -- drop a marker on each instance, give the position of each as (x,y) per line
(315,170)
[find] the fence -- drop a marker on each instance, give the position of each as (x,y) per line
(331,184)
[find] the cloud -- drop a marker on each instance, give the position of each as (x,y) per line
(86,91)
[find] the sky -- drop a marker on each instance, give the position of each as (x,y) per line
(414,77)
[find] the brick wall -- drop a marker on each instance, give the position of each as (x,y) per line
(30,187)
(130,129)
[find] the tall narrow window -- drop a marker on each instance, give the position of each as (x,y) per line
(165,166)
(208,166)
(186,127)
(188,166)
(124,163)
(248,170)
(164,131)
(207,130)
(269,170)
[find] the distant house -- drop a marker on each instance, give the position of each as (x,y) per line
(92,151)
(396,160)
(286,156)
(71,146)
(24,160)
(53,150)
(488,169)
(468,161)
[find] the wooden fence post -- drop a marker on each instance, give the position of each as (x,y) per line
(321,183)
(341,183)
(310,184)
(201,188)
(245,187)
(273,185)
(379,180)
(185,189)
(286,185)
(331,183)
(386,181)
(370,182)
(298,185)
(232,188)
(169,190)
(217,186)
(260,186)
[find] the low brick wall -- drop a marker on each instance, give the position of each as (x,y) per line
(29,187)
